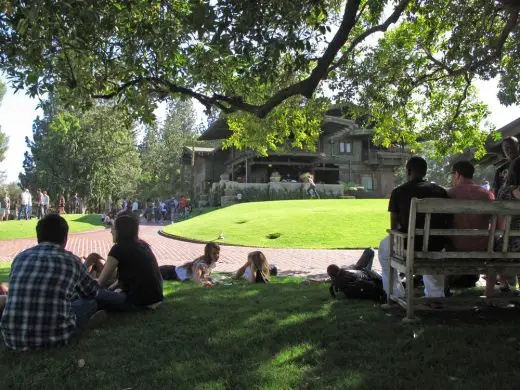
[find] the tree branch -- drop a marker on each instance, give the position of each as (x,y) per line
(393,18)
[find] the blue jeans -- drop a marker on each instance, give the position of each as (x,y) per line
(115,301)
(24,211)
(84,309)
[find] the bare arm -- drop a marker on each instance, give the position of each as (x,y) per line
(110,266)
(241,271)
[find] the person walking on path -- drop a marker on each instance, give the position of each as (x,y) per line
(311,191)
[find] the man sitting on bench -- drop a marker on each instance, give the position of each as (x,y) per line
(464,188)
(399,208)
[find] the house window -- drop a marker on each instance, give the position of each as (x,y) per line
(366,181)
(345,147)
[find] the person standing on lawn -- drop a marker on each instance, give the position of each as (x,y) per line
(39,312)
(399,208)
(45,203)
(5,207)
(26,200)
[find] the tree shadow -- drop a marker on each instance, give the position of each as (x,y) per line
(278,335)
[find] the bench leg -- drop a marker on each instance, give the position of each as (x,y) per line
(410,309)
(390,290)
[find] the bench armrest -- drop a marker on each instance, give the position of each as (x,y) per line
(397,233)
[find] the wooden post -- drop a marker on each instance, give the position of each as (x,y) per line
(410,259)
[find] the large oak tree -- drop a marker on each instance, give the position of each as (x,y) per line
(409,64)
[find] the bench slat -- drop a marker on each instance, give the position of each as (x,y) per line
(466,255)
(458,206)
(466,232)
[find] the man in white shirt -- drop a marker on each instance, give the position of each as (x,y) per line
(26,200)
(135,207)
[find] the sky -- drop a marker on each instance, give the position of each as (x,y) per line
(17,112)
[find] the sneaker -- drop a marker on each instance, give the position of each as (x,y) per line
(97,319)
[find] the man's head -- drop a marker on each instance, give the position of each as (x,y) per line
(39,190)
(416,168)
(52,228)
(461,170)
(510,148)
(332,270)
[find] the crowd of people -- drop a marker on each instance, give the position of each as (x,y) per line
(151,210)
(23,207)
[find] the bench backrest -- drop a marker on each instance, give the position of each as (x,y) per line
(495,209)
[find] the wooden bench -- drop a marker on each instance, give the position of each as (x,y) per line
(404,259)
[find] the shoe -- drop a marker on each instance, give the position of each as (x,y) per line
(97,319)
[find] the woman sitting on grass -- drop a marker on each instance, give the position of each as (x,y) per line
(198,270)
(137,270)
(256,269)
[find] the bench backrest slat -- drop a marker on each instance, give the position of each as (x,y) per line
(507,230)
(457,206)
(426,234)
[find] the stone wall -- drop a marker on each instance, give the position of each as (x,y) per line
(229,192)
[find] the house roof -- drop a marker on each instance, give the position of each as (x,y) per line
(198,150)
(331,124)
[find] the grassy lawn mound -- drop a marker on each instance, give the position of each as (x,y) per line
(10,230)
(283,335)
(337,223)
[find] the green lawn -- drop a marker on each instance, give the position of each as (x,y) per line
(348,223)
(10,230)
(279,336)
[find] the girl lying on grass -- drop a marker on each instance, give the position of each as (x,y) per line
(198,270)
(256,269)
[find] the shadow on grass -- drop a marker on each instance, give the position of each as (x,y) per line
(4,274)
(92,219)
(282,335)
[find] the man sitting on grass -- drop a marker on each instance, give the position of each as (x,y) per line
(40,312)
(399,208)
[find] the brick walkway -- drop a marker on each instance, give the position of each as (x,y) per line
(305,262)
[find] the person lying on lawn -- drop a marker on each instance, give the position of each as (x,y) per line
(137,270)
(256,269)
(198,270)
(361,283)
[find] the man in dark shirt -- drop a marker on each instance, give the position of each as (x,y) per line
(399,208)
(510,148)
(40,312)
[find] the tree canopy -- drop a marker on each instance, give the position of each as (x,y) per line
(93,153)
(409,64)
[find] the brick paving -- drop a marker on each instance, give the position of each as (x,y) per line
(304,262)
